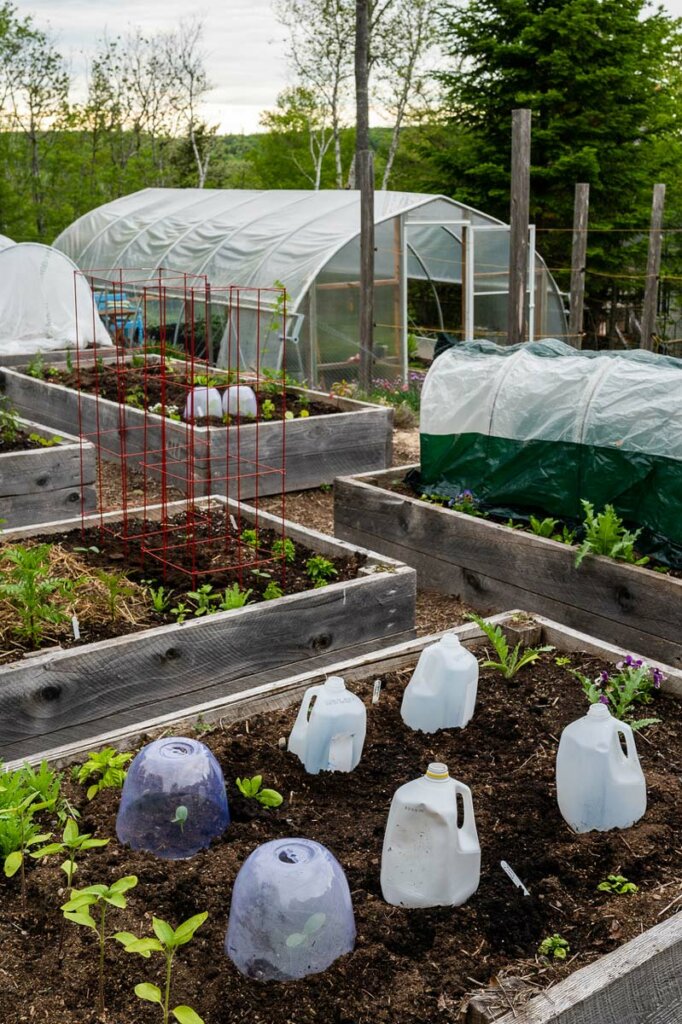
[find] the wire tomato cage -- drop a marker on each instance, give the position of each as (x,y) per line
(180,430)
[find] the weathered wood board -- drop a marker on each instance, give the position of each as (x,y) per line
(358,437)
(40,484)
(61,696)
(492,567)
(640,983)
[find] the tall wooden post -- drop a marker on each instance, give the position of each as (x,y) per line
(578,263)
(364,175)
(518,226)
(653,269)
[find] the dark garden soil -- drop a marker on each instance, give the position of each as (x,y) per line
(153,384)
(217,545)
(408,967)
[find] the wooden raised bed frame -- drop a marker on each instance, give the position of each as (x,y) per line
(318,448)
(493,567)
(38,484)
(640,983)
(65,695)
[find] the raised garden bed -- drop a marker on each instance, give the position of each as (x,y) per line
(357,437)
(492,566)
(43,478)
(68,693)
(409,967)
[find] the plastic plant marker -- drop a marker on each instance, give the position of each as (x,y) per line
(514,877)
(173,801)
(376,691)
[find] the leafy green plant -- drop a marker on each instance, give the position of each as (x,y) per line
(267,409)
(100,897)
(606,535)
(285,549)
(250,538)
(73,842)
(633,682)
(554,947)
(203,599)
(234,597)
(9,423)
(136,398)
(69,361)
(36,367)
(180,816)
(31,591)
(326,488)
(167,942)
(617,884)
(160,597)
(509,661)
(204,380)
(320,570)
(106,767)
(180,611)
(251,788)
(44,442)
(543,527)
(272,591)
(27,834)
(116,586)
(562,662)
(310,928)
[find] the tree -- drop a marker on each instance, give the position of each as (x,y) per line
(301,128)
(188,86)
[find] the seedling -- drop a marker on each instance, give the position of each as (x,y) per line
(562,662)
(36,367)
(606,535)
(44,442)
(181,611)
(167,941)
(136,398)
(288,415)
(72,843)
(509,661)
(9,424)
(272,591)
(106,767)
(251,789)
(160,598)
(304,414)
(117,587)
(634,682)
(326,488)
(617,884)
(544,527)
(554,947)
(77,910)
(311,926)
(250,538)
(267,409)
(27,834)
(234,597)
(69,361)
(31,591)
(320,570)
(285,549)
(203,599)
(180,817)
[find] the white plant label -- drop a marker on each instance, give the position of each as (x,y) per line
(514,877)
(76,627)
(234,523)
(376,692)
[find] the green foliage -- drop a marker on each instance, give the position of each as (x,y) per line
(44,442)
(9,423)
(23,793)
(285,549)
(203,599)
(250,538)
(234,597)
(554,947)
(548,528)
(272,591)
(267,409)
(606,535)
(167,942)
(275,382)
(509,661)
(78,910)
(32,592)
(73,842)
(160,597)
(618,885)
(320,570)
(562,662)
(180,611)
(116,586)
(251,788)
(106,767)
(135,397)
(633,682)
(311,926)
(36,367)
(180,817)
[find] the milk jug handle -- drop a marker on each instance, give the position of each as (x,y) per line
(467,804)
(301,722)
(626,731)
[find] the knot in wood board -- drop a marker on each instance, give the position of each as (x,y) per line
(321,642)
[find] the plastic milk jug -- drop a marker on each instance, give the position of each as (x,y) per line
(431,856)
(599,786)
(442,691)
(203,402)
(240,400)
(331,735)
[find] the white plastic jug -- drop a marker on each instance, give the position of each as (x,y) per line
(330,737)
(240,400)
(442,691)
(598,785)
(431,856)
(203,402)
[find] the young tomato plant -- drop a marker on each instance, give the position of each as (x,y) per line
(509,661)
(634,682)
(285,549)
(72,843)
(31,591)
(28,835)
(272,591)
(203,599)
(106,767)
(320,570)
(167,941)
(251,788)
(77,910)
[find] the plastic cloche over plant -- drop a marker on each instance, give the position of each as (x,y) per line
(291,912)
(173,802)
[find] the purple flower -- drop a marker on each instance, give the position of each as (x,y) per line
(631,662)
(658,677)
(604,677)
(603,699)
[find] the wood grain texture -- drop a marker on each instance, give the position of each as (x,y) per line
(492,566)
(73,693)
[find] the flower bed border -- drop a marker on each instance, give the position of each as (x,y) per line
(39,483)
(492,566)
(60,696)
(639,982)
(357,439)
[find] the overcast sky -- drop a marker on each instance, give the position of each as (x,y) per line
(245,47)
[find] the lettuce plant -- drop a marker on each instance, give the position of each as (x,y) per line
(555,947)
(251,789)
(606,535)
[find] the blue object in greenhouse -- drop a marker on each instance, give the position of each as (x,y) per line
(291,912)
(173,801)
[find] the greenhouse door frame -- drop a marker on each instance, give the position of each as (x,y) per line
(470,284)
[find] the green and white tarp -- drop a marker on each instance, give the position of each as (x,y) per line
(538,427)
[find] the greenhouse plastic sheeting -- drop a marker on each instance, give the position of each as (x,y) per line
(5,242)
(45,303)
(538,427)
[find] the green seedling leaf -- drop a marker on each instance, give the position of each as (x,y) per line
(150,993)
(163,931)
(123,884)
(269,798)
(314,923)
(185,931)
(186,1015)
(295,939)
(181,814)
(13,863)
(80,917)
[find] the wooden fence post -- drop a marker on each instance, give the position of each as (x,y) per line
(518,226)
(364,175)
(578,251)
(653,269)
